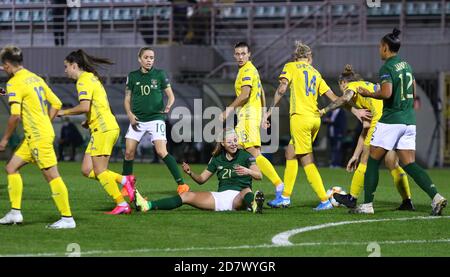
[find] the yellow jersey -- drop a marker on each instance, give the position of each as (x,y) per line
(99,117)
(248,76)
(375,106)
(306,84)
(33,95)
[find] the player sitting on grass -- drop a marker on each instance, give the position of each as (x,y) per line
(349,82)
(235,169)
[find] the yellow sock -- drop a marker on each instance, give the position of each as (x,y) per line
(117,176)
(15,188)
(268,170)
(401,182)
(109,184)
(92,175)
(314,179)
(60,196)
(358,180)
(290,174)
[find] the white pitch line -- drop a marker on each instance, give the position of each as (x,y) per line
(274,245)
(283,238)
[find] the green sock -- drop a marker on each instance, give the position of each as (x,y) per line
(127,168)
(371,180)
(171,164)
(421,178)
(248,199)
(169,203)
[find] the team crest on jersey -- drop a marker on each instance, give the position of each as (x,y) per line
(219,167)
(154,83)
(138,83)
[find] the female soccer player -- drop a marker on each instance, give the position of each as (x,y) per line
(235,170)
(146,111)
(29,98)
(349,82)
(396,129)
(102,125)
(306,84)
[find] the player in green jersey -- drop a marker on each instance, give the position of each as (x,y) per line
(396,129)
(235,169)
(145,108)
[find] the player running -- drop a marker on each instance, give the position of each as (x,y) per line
(146,111)
(102,125)
(248,105)
(29,98)
(235,170)
(396,129)
(349,83)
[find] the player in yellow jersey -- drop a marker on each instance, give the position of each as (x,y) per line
(306,84)
(33,102)
(248,105)
(349,82)
(102,125)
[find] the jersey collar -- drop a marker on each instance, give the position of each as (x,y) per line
(148,72)
(224,155)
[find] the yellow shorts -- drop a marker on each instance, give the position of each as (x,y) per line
(40,152)
(304,131)
(373,123)
(248,133)
(101,144)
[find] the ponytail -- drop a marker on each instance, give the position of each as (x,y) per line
(86,62)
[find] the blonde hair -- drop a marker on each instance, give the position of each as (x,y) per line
(12,54)
(221,138)
(302,51)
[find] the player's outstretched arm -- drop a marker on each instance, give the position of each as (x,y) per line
(337,101)
(384,93)
(199,179)
(83,107)
(253,171)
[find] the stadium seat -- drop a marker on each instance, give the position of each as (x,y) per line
(22,16)
(337,10)
(38,15)
(73,15)
(410,9)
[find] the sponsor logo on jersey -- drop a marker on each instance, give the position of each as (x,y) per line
(82,93)
(219,167)
(11,94)
(246,79)
(138,83)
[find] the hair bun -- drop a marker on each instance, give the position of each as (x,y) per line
(396,32)
(348,69)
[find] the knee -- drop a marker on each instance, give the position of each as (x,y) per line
(161,153)
(129,154)
(10,169)
(186,197)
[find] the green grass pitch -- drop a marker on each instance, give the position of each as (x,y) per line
(192,232)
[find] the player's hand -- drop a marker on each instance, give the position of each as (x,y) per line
(241,171)
(186,168)
(265,123)
(133,121)
(167,109)
(352,164)
(60,113)
(363,115)
(2,92)
(85,124)
(3,144)
(363,92)
(322,112)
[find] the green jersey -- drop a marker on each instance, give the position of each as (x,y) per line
(147,91)
(399,108)
(228,179)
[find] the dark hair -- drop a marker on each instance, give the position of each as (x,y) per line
(242,44)
(393,40)
(86,62)
(143,49)
(11,54)
(349,75)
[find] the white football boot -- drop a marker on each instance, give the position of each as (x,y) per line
(438,204)
(363,209)
(12,217)
(63,223)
